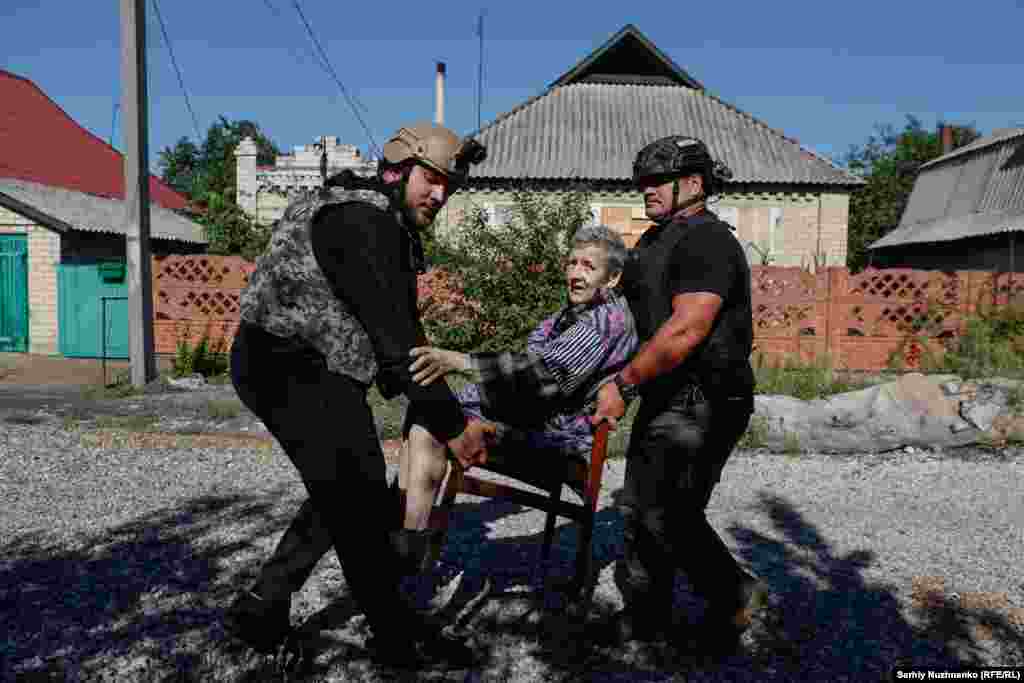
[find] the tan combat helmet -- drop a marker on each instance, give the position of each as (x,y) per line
(435,147)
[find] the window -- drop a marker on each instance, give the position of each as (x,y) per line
(500,214)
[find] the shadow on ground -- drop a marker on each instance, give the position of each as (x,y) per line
(140,602)
(825,619)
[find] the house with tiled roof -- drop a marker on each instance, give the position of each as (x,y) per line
(966,211)
(789,205)
(62,244)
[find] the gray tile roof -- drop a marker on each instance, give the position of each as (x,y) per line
(997,137)
(981,194)
(947,229)
(64,209)
(593,131)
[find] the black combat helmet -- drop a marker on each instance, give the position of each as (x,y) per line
(677,155)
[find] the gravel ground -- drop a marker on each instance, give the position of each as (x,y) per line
(116,561)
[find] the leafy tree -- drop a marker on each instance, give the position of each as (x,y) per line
(179,165)
(210,166)
(889,162)
(206,175)
(513,272)
(230,230)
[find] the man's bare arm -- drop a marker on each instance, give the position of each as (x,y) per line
(693,314)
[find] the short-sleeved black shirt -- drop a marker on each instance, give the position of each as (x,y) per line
(695,254)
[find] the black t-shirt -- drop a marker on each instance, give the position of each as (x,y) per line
(695,254)
(367,257)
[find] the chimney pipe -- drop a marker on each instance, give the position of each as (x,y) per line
(947,139)
(439,95)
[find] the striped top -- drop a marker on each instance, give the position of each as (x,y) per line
(551,390)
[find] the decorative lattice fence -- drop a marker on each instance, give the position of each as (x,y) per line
(856,321)
(195,296)
(859,321)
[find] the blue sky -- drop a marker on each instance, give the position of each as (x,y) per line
(822,72)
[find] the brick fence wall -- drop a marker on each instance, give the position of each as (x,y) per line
(195,296)
(857,321)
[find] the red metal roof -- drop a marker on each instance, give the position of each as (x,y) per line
(40,143)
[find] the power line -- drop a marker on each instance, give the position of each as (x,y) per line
(113,123)
(331,72)
(181,81)
(310,51)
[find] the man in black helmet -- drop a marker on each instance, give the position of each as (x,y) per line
(688,284)
(330,309)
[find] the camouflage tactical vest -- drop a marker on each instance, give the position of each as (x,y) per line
(289,296)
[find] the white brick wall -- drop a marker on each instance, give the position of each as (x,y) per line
(43,257)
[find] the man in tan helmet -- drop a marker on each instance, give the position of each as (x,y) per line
(330,309)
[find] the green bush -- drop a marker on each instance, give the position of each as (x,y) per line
(230,230)
(805,381)
(756,435)
(512,273)
(207,358)
(992,343)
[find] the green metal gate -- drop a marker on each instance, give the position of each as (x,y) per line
(93,312)
(13,293)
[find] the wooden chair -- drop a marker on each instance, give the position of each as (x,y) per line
(584,479)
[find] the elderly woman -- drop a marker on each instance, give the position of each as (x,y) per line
(540,400)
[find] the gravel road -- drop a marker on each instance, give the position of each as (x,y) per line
(116,561)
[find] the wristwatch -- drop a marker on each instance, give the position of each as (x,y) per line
(627,391)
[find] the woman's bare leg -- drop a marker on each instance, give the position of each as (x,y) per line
(422,470)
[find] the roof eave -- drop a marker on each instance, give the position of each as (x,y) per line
(29,211)
(628,181)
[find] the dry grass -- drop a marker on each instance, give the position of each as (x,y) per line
(120,438)
(131,423)
(219,409)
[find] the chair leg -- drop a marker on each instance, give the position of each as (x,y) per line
(584,557)
(549,532)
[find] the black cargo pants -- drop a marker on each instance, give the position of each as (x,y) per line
(325,426)
(677,449)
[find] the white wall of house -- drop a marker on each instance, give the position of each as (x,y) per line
(788,229)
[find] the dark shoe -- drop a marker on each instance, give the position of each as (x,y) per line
(721,633)
(261,624)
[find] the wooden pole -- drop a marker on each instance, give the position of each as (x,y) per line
(136,191)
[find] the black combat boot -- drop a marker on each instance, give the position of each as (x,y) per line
(727,619)
(420,643)
(262,624)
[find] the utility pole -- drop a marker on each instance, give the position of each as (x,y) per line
(136,191)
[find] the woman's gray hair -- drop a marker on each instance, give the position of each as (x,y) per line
(606,237)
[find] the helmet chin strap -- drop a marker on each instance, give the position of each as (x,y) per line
(417,257)
(396,193)
(676,205)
